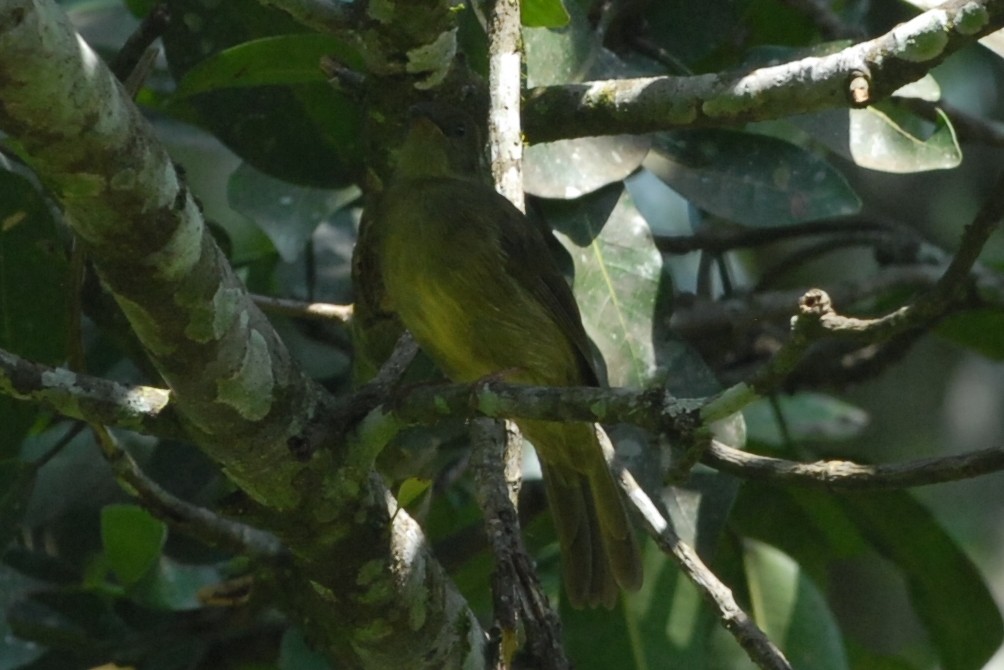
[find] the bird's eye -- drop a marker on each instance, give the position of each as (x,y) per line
(459,130)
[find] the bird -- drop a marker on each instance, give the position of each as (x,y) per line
(473,280)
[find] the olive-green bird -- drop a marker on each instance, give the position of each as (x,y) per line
(473,280)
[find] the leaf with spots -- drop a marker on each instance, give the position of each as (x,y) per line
(621,284)
(750,179)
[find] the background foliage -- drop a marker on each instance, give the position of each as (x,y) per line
(898,580)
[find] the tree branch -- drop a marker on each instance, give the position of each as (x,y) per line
(193,520)
(238,392)
(757,645)
(857,76)
(845,475)
(143,409)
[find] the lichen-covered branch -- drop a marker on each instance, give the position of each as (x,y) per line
(856,76)
(144,409)
(362,578)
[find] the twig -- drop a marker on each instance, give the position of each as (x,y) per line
(186,517)
(144,409)
(721,241)
(130,57)
(757,645)
(846,475)
(359,407)
(516,590)
(505,141)
(304,310)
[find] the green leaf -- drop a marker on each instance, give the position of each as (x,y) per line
(171,585)
(572,168)
(306,133)
(132,541)
(286,213)
(946,590)
(885,137)
(34,290)
(664,625)
(621,284)
(278,60)
(981,330)
(750,179)
(807,416)
(560,56)
(544,13)
(791,610)
(412,489)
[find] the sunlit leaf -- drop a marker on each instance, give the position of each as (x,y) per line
(544,13)
(882,140)
(885,137)
(279,60)
(411,489)
(750,179)
(571,168)
(620,283)
(790,609)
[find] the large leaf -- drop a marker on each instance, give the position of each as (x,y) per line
(620,283)
(885,137)
(946,590)
(544,13)
(287,213)
(816,527)
(750,179)
(34,291)
(791,610)
(301,132)
(132,540)
(573,167)
(280,60)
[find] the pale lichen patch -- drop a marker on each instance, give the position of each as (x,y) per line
(249,389)
(923,38)
(971,18)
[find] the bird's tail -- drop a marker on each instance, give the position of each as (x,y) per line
(599,552)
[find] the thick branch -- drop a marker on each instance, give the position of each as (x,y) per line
(241,397)
(873,69)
